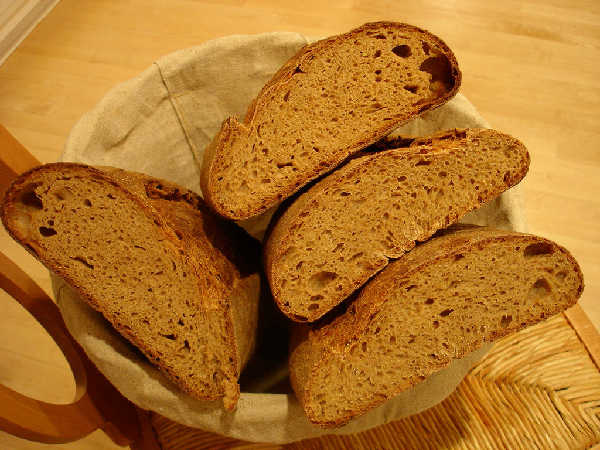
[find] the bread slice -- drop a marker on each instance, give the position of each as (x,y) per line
(439,302)
(170,276)
(333,98)
(343,230)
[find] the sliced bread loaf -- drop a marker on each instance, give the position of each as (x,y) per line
(437,303)
(342,230)
(333,98)
(170,276)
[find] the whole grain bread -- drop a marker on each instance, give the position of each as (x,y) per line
(344,229)
(174,279)
(437,303)
(333,98)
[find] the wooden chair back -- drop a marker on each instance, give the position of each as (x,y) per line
(97,404)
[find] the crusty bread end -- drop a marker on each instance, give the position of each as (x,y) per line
(437,303)
(173,278)
(330,100)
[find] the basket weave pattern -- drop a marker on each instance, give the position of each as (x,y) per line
(538,388)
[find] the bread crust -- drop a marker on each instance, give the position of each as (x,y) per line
(231,130)
(172,208)
(316,347)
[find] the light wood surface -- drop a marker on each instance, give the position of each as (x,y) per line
(532,68)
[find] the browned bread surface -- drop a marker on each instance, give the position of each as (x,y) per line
(166,272)
(437,303)
(333,98)
(343,230)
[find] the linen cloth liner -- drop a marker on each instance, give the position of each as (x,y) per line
(159,123)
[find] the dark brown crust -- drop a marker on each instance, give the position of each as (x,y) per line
(347,327)
(231,129)
(111,175)
(276,241)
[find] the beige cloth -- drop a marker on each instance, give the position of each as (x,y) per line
(158,123)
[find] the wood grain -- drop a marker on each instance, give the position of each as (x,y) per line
(531,67)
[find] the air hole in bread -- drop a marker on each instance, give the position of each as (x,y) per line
(442,174)
(411,88)
(313,306)
(286,96)
(378,72)
(356,256)
(316,298)
(429,301)
(505,321)
(47,232)
(561,275)
(299,318)
(82,260)
(540,289)
(87,202)
(458,257)
(30,198)
(440,70)
(446,312)
(425,47)
(168,336)
(62,194)
(285,164)
(377,54)
(403,51)
(540,248)
(436,323)
(380,36)
(321,279)
(423,162)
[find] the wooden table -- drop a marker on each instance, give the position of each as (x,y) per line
(532,68)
